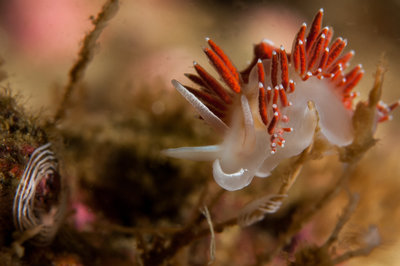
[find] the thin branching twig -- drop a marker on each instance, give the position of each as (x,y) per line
(86,53)
(305,216)
(371,240)
(343,219)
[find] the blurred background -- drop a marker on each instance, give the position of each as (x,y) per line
(160,39)
(150,42)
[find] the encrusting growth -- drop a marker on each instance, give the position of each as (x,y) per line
(263,111)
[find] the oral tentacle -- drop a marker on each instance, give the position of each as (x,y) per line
(201,108)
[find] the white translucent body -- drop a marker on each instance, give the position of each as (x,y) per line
(245,151)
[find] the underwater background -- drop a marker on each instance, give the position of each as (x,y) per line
(128,204)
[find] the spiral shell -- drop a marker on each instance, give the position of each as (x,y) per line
(39,202)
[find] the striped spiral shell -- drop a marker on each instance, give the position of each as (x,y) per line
(39,200)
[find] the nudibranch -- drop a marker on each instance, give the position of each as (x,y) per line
(264,111)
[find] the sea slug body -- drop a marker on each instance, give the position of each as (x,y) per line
(264,111)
